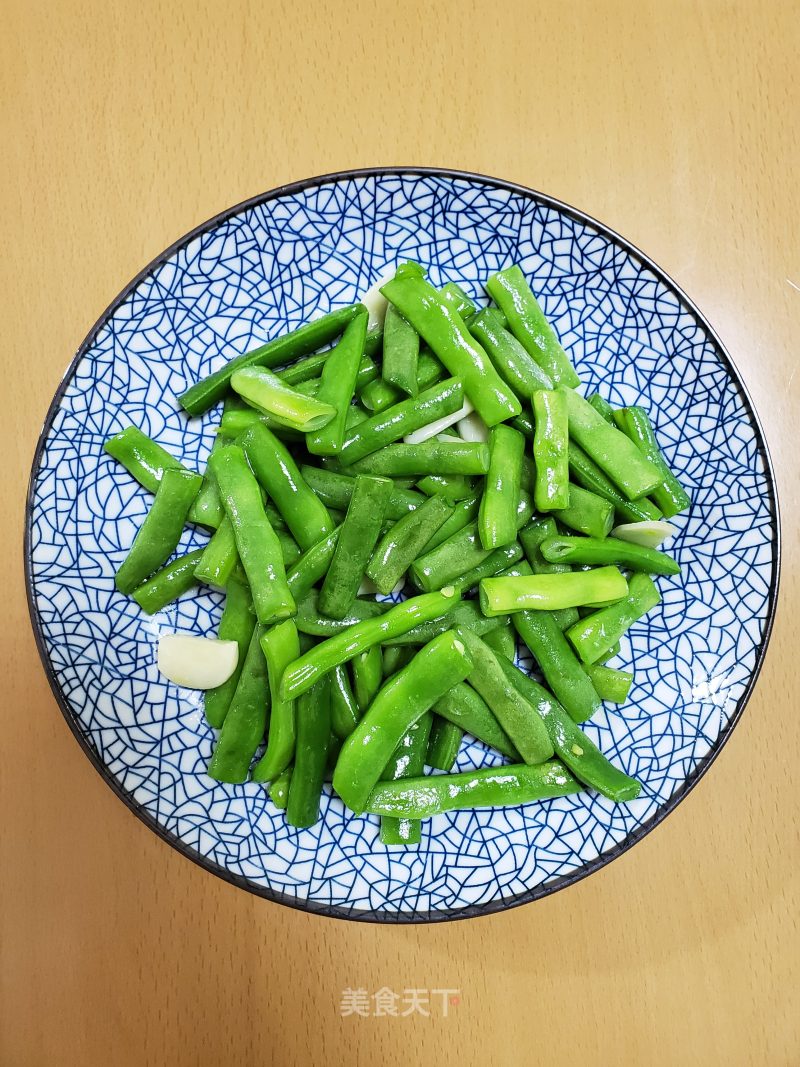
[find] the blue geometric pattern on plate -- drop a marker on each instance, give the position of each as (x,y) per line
(270,266)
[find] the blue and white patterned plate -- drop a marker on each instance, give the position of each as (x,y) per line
(270,265)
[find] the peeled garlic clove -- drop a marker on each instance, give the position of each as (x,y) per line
(650,534)
(196,662)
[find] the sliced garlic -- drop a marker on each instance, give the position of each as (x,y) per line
(473,428)
(196,662)
(424,433)
(651,534)
(374,300)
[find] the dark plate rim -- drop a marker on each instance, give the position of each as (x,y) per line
(494,906)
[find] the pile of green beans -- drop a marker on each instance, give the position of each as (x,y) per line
(343,475)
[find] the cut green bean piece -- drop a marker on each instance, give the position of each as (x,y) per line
(467,613)
(464,512)
(443,744)
(401,419)
(166,585)
(303,575)
(550,592)
(489,787)
(408,760)
(455,296)
(301,675)
(301,342)
(299,506)
(256,542)
(451,487)
(306,370)
(395,657)
(280,646)
(503,641)
(587,513)
(592,550)
(498,561)
(510,291)
(379,394)
(338,386)
(367,668)
(430,457)
(595,635)
(670,495)
(531,538)
(602,407)
(571,744)
(344,709)
(466,708)
(612,451)
(311,621)
(509,357)
(497,517)
(611,685)
(514,714)
(355,545)
(550,451)
(450,340)
(265,391)
(237,623)
(245,720)
(587,475)
(398,705)
(404,541)
(335,491)
(311,755)
(219,558)
(160,532)
(400,352)
(279,789)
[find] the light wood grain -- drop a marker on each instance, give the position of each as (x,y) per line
(123,126)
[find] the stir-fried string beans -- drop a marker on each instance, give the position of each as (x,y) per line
(550,451)
(550,592)
(399,704)
(466,708)
(344,709)
(219,558)
(586,474)
(511,361)
(430,457)
(335,490)
(583,550)
(407,761)
(236,624)
(160,532)
(338,385)
(443,744)
(400,352)
(599,632)
(404,541)
(245,719)
(281,646)
(497,518)
(166,585)
(670,496)
(367,668)
(378,394)
(587,513)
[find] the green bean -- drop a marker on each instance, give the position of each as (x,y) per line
(400,352)
(550,451)
(311,753)
(338,386)
(281,646)
(335,491)
(237,623)
(444,744)
(611,685)
(430,457)
(669,495)
(602,407)
(495,563)
(312,565)
(531,538)
(549,592)
(587,475)
(235,423)
(245,720)
(395,422)
(374,341)
(344,710)
(497,518)
(301,675)
(463,513)
(450,340)
(408,760)
(612,451)
(468,710)
(300,508)
(513,713)
(524,423)
(289,407)
(450,487)
(160,532)
(301,342)
(598,632)
(467,613)
(510,291)
(455,557)
(258,547)
(355,544)
(379,394)
(503,641)
(207,507)
(404,541)
(395,657)
(367,668)
(166,585)
(489,787)
(398,705)
(592,550)
(306,370)
(279,789)
(511,361)
(290,550)
(219,558)
(311,621)
(571,745)
(587,513)
(455,296)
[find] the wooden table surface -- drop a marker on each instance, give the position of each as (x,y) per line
(125,125)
